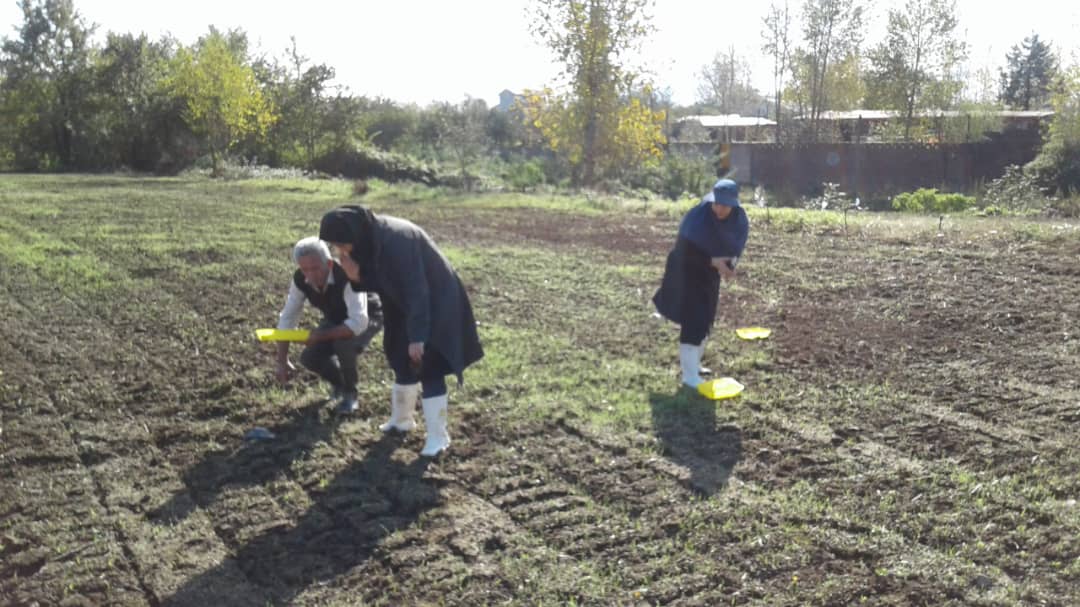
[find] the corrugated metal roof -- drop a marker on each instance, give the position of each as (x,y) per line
(888,114)
(720,120)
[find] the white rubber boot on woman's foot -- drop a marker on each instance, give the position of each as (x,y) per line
(690,359)
(438,440)
(402,406)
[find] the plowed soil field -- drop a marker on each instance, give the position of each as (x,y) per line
(908,435)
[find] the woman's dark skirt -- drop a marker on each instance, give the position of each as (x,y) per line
(689,292)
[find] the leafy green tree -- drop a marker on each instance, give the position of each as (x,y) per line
(1028,75)
(632,137)
(390,124)
(832,33)
(982,87)
(465,135)
(778,45)
(505,131)
(845,85)
(139,122)
(726,84)
(972,124)
(46,97)
(431,130)
(913,68)
(223,101)
(1057,167)
(300,92)
(346,121)
(598,113)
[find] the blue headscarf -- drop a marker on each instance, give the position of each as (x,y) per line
(717,238)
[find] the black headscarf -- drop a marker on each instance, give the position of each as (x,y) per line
(353,225)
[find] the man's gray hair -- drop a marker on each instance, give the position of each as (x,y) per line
(311,246)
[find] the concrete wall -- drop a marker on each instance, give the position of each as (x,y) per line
(872,171)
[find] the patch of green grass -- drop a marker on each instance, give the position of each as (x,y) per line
(61,262)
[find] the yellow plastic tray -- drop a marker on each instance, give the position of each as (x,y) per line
(719,389)
(282,334)
(753,332)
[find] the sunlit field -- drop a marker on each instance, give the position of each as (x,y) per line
(907,435)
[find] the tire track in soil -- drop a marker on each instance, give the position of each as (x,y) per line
(231,531)
(579,521)
(903,475)
(86,432)
(225,539)
(72,553)
(794,453)
(621,505)
(543,509)
(240,516)
(920,356)
(612,502)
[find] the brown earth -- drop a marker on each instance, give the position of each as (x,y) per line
(126,482)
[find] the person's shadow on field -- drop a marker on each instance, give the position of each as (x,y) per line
(685,422)
(342,527)
(256,462)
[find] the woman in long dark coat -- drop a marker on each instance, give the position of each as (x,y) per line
(711,238)
(429,330)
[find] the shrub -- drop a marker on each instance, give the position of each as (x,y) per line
(831,199)
(1065,207)
(525,175)
(929,200)
(1057,167)
(365,161)
(681,176)
(674,177)
(1016,190)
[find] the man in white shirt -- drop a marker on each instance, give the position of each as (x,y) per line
(350,321)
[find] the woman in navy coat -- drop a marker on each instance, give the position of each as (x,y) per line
(711,238)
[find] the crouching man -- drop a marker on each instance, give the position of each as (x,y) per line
(349,321)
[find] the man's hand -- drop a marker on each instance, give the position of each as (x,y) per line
(285,372)
(317,336)
(352,269)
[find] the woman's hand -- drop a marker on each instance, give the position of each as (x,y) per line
(352,269)
(416,352)
(723,266)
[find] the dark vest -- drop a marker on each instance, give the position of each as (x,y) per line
(331,302)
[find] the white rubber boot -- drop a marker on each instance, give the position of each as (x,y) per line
(690,358)
(402,406)
(438,439)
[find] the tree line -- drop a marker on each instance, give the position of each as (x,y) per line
(822,62)
(70,103)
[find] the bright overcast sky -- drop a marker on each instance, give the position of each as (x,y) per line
(436,50)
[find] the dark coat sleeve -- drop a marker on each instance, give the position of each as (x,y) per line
(668,297)
(419,280)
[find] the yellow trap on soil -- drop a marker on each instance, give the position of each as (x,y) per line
(719,389)
(282,334)
(753,332)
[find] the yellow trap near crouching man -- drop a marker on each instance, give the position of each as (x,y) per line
(282,334)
